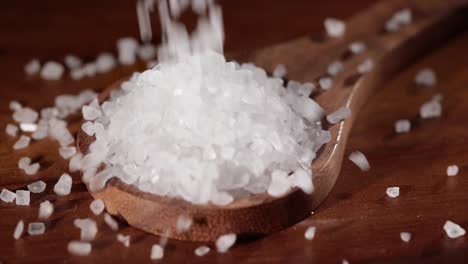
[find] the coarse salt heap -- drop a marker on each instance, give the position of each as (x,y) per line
(452,170)
(360,160)
(393,192)
(334,27)
(453,230)
(225,242)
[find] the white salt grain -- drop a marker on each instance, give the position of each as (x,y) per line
(90,69)
(67,152)
(403,16)
(125,240)
(32,169)
(393,192)
(11,130)
(360,160)
(345,261)
(302,179)
(23,142)
(366,66)
(402,126)
(453,230)
(78,74)
(52,71)
(97,206)
(111,222)
(24,162)
(63,185)
(310,233)
(72,61)
(32,67)
(280,71)
(147,52)
(28,127)
(405,236)
(19,228)
(37,187)
(335,67)
(452,170)
(46,209)
(36,228)
(88,228)
(127,48)
(426,77)
(357,47)
(91,112)
(14,106)
(183,223)
(7,196)
(279,183)
(75,162)
(225,242)
(325,83)
(339,115)
(201,251)
(431,109)
(334,27)
(79,248)
(25,115)
(105,62)
(23,197)
(157,252)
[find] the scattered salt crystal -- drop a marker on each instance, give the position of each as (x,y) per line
(402,126)
(127,48)
(366,66)
(452,170)
(360,160)
(357,47)
(125,240)
(52,71)
(72,61)
(11,130)
(88,228)
(23,197)
(97,206)
(32,169)
(67,152)
(279,183)
(453,230)
(25,115)
(334,27)
(77,74)
(79,248)
(202,251)
(280,71)
(339,115)
(310,233)
(111,222)
(46,209)
(18,230)
(302,179)
(28,127)
(90,69)
(403,16)
(14,106)
(24,162)
(183,223)
(32,67)
(431,109)
(335,67)
(393,192)
(325,83)
(37,187)
(75,162)
(392,25)
(147,52)
(63,185)
(426,77)
(225,242)
(7,196)
(157,252)
(22,142)
(405,236)
(105,62)
(36,228)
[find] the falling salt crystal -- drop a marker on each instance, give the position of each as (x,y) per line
(72,61)
(453,230)
(452,170)
(11,130)
(325,83)
(18,230)
(360,160)
(105,62)
(202,251)
(79,248)
(111,222)
(90,69)
(183,223)
(22,197)
(279,183)
(402,126)
(77,74)
(310,233)
(88,228)
(426,77)
(392,25)
(52,71)
(24,162)
(366,66)
(225,242)
(146,52)
(125,240)
(22,142)
(63,185)
(403,16)
(25,115)
(32,67)
(97,206)
(431,109)
(335,67)
(14,106)
(28,127)
(405,236)
(157,252)
(280,71)
(67,152)
(7,196)
(301,179)
(37,187)
(32,169)
(334,27)
(357,47)
(345,261)
(393,192)
(36,228)
(46,209)
(339,115)
(127,48)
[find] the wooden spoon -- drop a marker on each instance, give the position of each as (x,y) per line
(306,60)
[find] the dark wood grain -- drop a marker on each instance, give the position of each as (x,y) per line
(356,221)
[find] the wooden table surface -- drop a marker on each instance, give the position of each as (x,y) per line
(357,221)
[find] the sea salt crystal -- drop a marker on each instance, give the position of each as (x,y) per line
(23,197)
(157,252)
(426,77)
(453,230)
(431,109)
(88,228)
(25,115)
(147,52)
(339,115)
(111,222)
(32,67)
(72,61)
(23,142)
(402,126)
(11,130)
(7,196)
(393,192)
(302,179)
(90,69)
(125,240)
(52,71)
(24,162)
(360,160)
(91,113)
(63,185)
(366,66)
(28,127)
(405,236)
(225,242)
(201,251)
(14,105)
(403,16)
(32,169)
(77,74)
(75,162)
(452,170)
(67,152)
(335,67)
(19,228)
(325,83)
(36,228)
(79,248)
(310,233)
(97,206)
(280,71)
(357,47)
(37,187)
(279,183)
(46,209)
(127,48)
(305,89)
(105,62)
(334,27)
(183,223)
